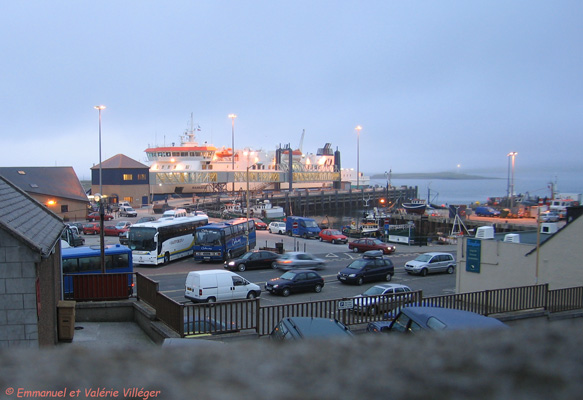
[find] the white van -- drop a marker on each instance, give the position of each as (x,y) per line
(179,212)
(218,285)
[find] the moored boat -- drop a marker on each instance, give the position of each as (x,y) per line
(416,206)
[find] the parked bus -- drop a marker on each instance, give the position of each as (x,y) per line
(224,240)
(87,260)
(159,242)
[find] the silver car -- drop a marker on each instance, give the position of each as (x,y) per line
(382,297)
(431,262)
(298,260)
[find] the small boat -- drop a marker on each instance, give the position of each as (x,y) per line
(416,206)
(232,210)
(264,209)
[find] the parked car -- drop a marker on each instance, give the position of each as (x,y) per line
(366,244)
(94,216)
(413,319)
(431,262)
(252,260)
(124,238)
(146,219)
(378,326)
(78,225)
(372,300)
(207,326)
(117,229)
(259,225)
(92,228)
(297,328)
(486,212)
(218,285)
(276,227)
(297,260)
(371,267)
(295,281)
(127,211)
(550,216)
(333,236)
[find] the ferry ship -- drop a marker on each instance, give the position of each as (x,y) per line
(193,168)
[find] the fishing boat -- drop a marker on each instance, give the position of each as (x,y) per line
(416,206)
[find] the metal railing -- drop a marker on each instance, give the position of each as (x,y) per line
(189,319)
(98,287)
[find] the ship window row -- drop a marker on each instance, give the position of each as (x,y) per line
(153,156)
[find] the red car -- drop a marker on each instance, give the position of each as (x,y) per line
(332,235)
(259,225)
(366,244)
(117,229)
(91,228)
(94,216)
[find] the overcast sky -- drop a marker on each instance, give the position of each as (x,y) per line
(434,84)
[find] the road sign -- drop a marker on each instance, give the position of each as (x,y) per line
(295,225)
(346,304)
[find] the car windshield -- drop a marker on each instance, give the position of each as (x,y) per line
(288,276)
(423,258)
(120,225)
(377,242)
(373,291)
(357,264)
(141,239)
(311,223)
(209,237)
(246,256)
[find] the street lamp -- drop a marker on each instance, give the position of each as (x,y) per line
(233,116)
(511,183)
(99,108)
(358,129)
(99,199)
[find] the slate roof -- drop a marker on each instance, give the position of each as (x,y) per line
(27,220)
(119,161)
(51,181)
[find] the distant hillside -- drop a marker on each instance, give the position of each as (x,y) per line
(432,175)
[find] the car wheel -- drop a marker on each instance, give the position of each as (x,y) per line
(359,281)
(388,277)
(318,288)
(270,231)
(166,258)
(211,300)
(354,250)
(423,272)
(333,241)
(321,240)
(241,267)
(449,270)
(285,292)
(305,235)
(372,310)
(251,295)
(274,265)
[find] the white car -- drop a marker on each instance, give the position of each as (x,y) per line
(276,227)
(431,262)
(549,216)
(372,300)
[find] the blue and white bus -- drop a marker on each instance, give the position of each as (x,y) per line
(87,260)
(159,242)
(224,240)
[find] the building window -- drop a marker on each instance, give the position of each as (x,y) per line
(141,177)
(65,208)
(129,199)
(128,177)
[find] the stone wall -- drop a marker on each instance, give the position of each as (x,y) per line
(18,312)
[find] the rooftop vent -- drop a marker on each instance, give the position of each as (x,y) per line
(549,227)
(512,238)
(485,232)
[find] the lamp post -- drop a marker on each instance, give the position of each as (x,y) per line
(99,108)
(99,198)
(358,129)
(511,183)
(233,116)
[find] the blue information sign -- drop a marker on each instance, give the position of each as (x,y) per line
(474,254)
